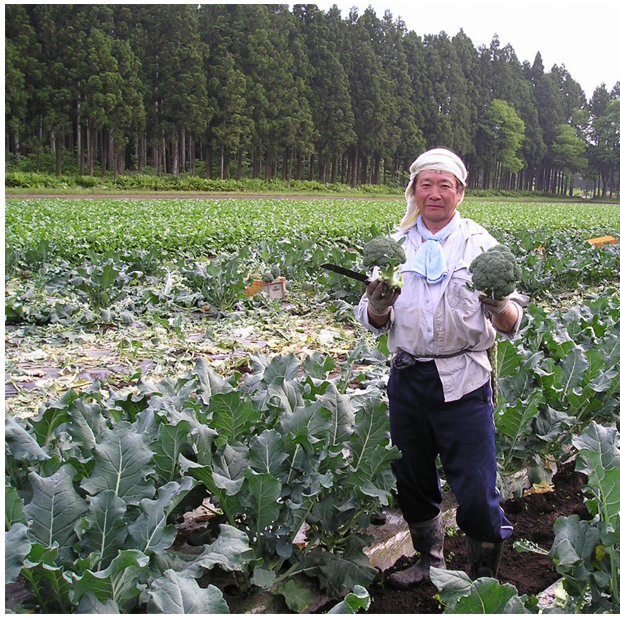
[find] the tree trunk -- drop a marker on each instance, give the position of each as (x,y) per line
(324,164)
(182,153)
(175,157)
(268,163)
(89,149)
(114,156)
(164,163)
(209,160)
(239,164)
(192,154)
(58,147)
(104,153)
(80,146)
(16,138)
(285,165)
(356,162)
(300,166)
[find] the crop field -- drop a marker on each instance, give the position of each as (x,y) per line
(142,379)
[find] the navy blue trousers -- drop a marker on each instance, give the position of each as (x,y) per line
(462,434)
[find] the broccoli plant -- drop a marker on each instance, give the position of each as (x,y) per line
(271,274)
(387,254)
(495,273)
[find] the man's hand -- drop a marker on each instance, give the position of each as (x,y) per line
(381,297)
(494,306)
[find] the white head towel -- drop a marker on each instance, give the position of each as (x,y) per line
(435,159)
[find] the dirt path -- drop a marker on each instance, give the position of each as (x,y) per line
(196,196)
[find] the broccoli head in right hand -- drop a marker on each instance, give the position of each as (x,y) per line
(495,273)
(387,254)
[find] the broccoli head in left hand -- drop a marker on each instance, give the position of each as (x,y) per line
(495,273)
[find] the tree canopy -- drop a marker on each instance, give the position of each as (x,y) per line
(267,91)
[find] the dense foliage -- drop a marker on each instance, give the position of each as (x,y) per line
(98,484)
(290,449)
(265,91)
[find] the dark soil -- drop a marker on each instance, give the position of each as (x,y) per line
(533,518)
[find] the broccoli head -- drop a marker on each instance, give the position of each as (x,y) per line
(495,273)
(271,274)
(387,254)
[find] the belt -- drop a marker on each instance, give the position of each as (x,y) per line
(403,359)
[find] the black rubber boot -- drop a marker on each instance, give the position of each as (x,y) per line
(427,538)
(484,557)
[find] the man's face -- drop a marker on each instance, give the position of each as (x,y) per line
(437,195)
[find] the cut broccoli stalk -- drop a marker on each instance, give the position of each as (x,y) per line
(391,277)
(386,254)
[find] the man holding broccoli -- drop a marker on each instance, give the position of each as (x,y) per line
(440,330)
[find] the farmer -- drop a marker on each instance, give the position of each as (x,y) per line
(439,387)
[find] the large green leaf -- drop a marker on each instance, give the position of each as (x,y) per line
(574,367)
(167,448)
(46,422)
(233,415)
(55,507)
(210,383)
(229,465)
(310,422)
(90,604)
(611,349)
(123,460)
(353,602)
(341,572)
(47,578)
(370,433)
(85,424)
(574,543)
(298,598)
(231,550)
(482,596)
(515,422)
(278,384)
(285,395)
(282,366)
(13,508)
(317,365)
(600,460)
(177,594)
(103,529)
(508,358)
(267,453)
(16,548)
(265,493)
(550,423)
(120,582)
(342,416)
(149,532)
(20,443)
(520,385)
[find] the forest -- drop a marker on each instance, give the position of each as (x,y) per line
(267,91)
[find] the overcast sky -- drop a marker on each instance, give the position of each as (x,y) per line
(584,37)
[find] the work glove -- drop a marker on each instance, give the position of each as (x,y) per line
(381,297)
(494,306)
